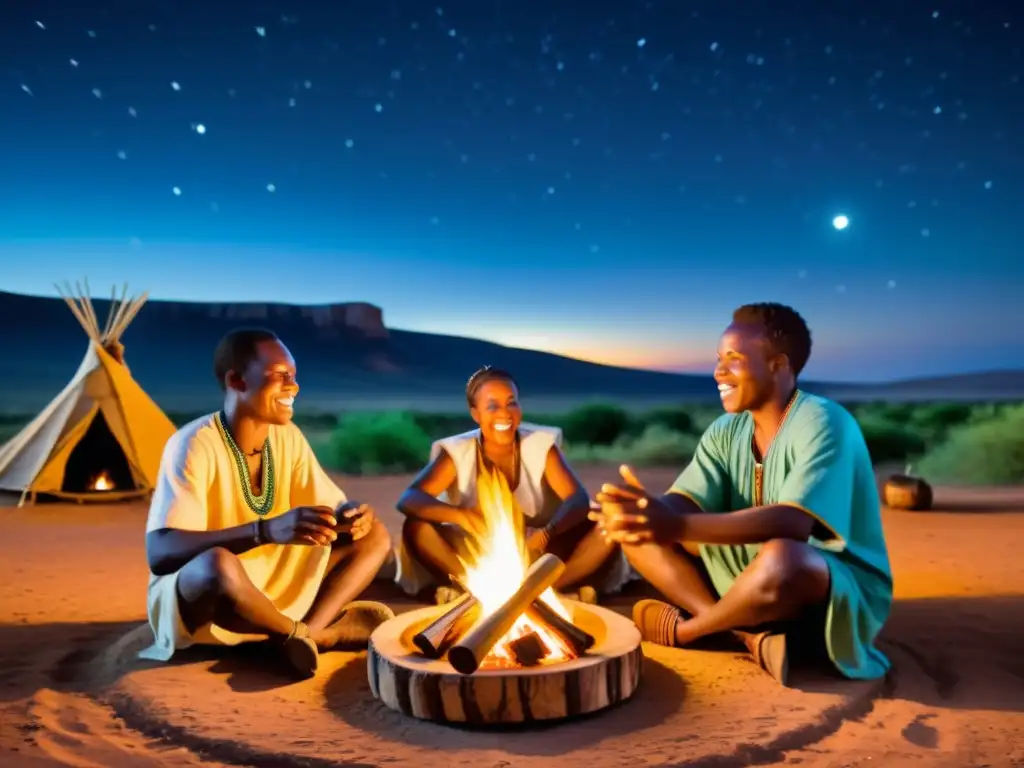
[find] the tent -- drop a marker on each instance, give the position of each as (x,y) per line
(102,437)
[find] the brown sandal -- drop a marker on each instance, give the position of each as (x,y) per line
(352,629)
(771,655)
(657,621)
(300,652)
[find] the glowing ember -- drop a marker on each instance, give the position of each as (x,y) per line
(102,482)
(497,567)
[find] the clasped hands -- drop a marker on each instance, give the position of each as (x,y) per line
(627,514)
(319,525)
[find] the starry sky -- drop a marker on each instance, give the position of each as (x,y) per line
(604,180)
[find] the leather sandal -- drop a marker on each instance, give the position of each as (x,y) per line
(657,621)
(771,654)
(300,652)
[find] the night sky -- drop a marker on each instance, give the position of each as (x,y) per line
(602,179)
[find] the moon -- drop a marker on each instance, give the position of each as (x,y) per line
(840,222)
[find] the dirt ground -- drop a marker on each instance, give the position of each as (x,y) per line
(72,596)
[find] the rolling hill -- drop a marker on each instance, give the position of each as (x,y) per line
(349,359)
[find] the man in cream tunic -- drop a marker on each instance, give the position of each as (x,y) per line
(247,536)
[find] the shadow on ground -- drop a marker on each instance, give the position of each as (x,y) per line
(661,694)
(946,652)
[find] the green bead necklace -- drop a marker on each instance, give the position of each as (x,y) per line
(263,503)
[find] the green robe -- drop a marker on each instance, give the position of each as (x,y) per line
(819,463)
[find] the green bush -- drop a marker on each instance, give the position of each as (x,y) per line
(986,411)
(376,443)
(656,446)
(888,441)
(318,421)
(934,420)
(594,424)
(703,416)
(985,452)
(888,413)
(675,418)
(439,425)
(661,446)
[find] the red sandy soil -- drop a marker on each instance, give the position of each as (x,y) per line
(72,584)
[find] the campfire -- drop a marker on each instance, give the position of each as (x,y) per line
(510,615)
(102,482)
(509,650)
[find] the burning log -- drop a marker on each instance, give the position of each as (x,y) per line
(576,639)
(438,636)
(467,655)
(528,650)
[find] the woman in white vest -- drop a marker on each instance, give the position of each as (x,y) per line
(441,504)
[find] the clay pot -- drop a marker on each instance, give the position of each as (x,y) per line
(907,492)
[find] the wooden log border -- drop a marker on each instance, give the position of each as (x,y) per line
(432,690)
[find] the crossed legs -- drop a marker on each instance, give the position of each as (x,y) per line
(784,582)
(583,549)
(214,588)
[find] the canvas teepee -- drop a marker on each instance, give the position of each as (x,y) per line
(102,437)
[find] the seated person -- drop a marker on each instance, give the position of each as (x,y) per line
(247,537)
(441,505)
(774,525)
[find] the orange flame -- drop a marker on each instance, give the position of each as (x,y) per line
(102,482)
(497,566)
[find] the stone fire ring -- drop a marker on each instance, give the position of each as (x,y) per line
(430,689)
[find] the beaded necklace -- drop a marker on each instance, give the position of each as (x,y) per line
(263,503)
(759,465)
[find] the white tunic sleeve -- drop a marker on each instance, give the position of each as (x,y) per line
(180,498)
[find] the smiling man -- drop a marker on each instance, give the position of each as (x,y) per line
(247,537)
(774,529)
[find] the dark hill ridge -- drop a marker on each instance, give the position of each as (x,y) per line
(345,352)
(348,359)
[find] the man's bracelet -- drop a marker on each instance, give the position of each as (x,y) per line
(257,532)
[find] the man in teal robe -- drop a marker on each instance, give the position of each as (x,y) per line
(773,531)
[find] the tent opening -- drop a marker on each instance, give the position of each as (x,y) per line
(98,463)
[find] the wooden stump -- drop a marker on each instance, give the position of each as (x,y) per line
(430,689)
(907,492)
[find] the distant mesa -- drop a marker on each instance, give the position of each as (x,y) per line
(349,359)
(360,316)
